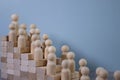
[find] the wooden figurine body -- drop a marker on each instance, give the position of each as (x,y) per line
(51,65)
(12,34)
(85,73)
(65,50)
(48,43)
(37,32)
(45,37)
(14,18)
(65,73)
(52,50)
(23,26)
(32,29)
(117,75)
(38,54)
(34,38)
(70,57)
(21,39)
(82,63)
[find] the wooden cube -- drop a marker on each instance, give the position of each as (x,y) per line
(31,69)
(41,73)
(3,66)
(3,75)
(17,66)
(5,49)
(32,76)
(17,78)
(4,70)
(24,62)
(10,61)
(17,73)
(10,66)
(24,68)
(3,59)
(3,54)
(9,71)
(10,55)
(54,77)
(16,61)
(10,77)
(75,75)
(26,56)
(24,75)
(16,56)
(16,50)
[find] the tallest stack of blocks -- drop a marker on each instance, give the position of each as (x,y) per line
(30,57)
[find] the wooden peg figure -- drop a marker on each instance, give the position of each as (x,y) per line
(45,37)
(38,54)
(52,50)
(65,73)
(21,39)
(14,18)
(71,57)
(51,65)
(103,74)
(65,50)
(98,70)
(117,75)
(48,43)
(85,73)
(82,63)
(37,32)
(32,29)
(34,38)
(23,26)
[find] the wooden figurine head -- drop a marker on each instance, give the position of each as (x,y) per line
(64,48)
(38,43)
(48,42)
(32,26)
(14,17)
(12,27)
(103,74)
(70,55)
(21,32)
(51,49)
(117,75)
(65,64)
(37,31)
(45,36)
(82,62)
(98,70)
(85,71)
(51,57)
(23,26)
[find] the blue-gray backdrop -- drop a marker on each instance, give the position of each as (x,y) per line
(90,27)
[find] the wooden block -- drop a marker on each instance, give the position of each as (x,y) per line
(24,62)
(17,78)
(5,49)
(10,55)
(4,43)
(3,66)
(27,49)
(4,71)
(24,68)
(58,68)
(31,69)
(16,72)
(54,77)
(76,79)
(16,61)
(16,50)
(4,38)
(10,61)
(10,66)
(40,63)
(3,54)
(26,56)
(41,73)
(16,56)
(32,76)
(10,47)
(3,75)
(75,75)
(10,77)
(58,61)
(10,71)
(3,59)
(17,66)
(24,75)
